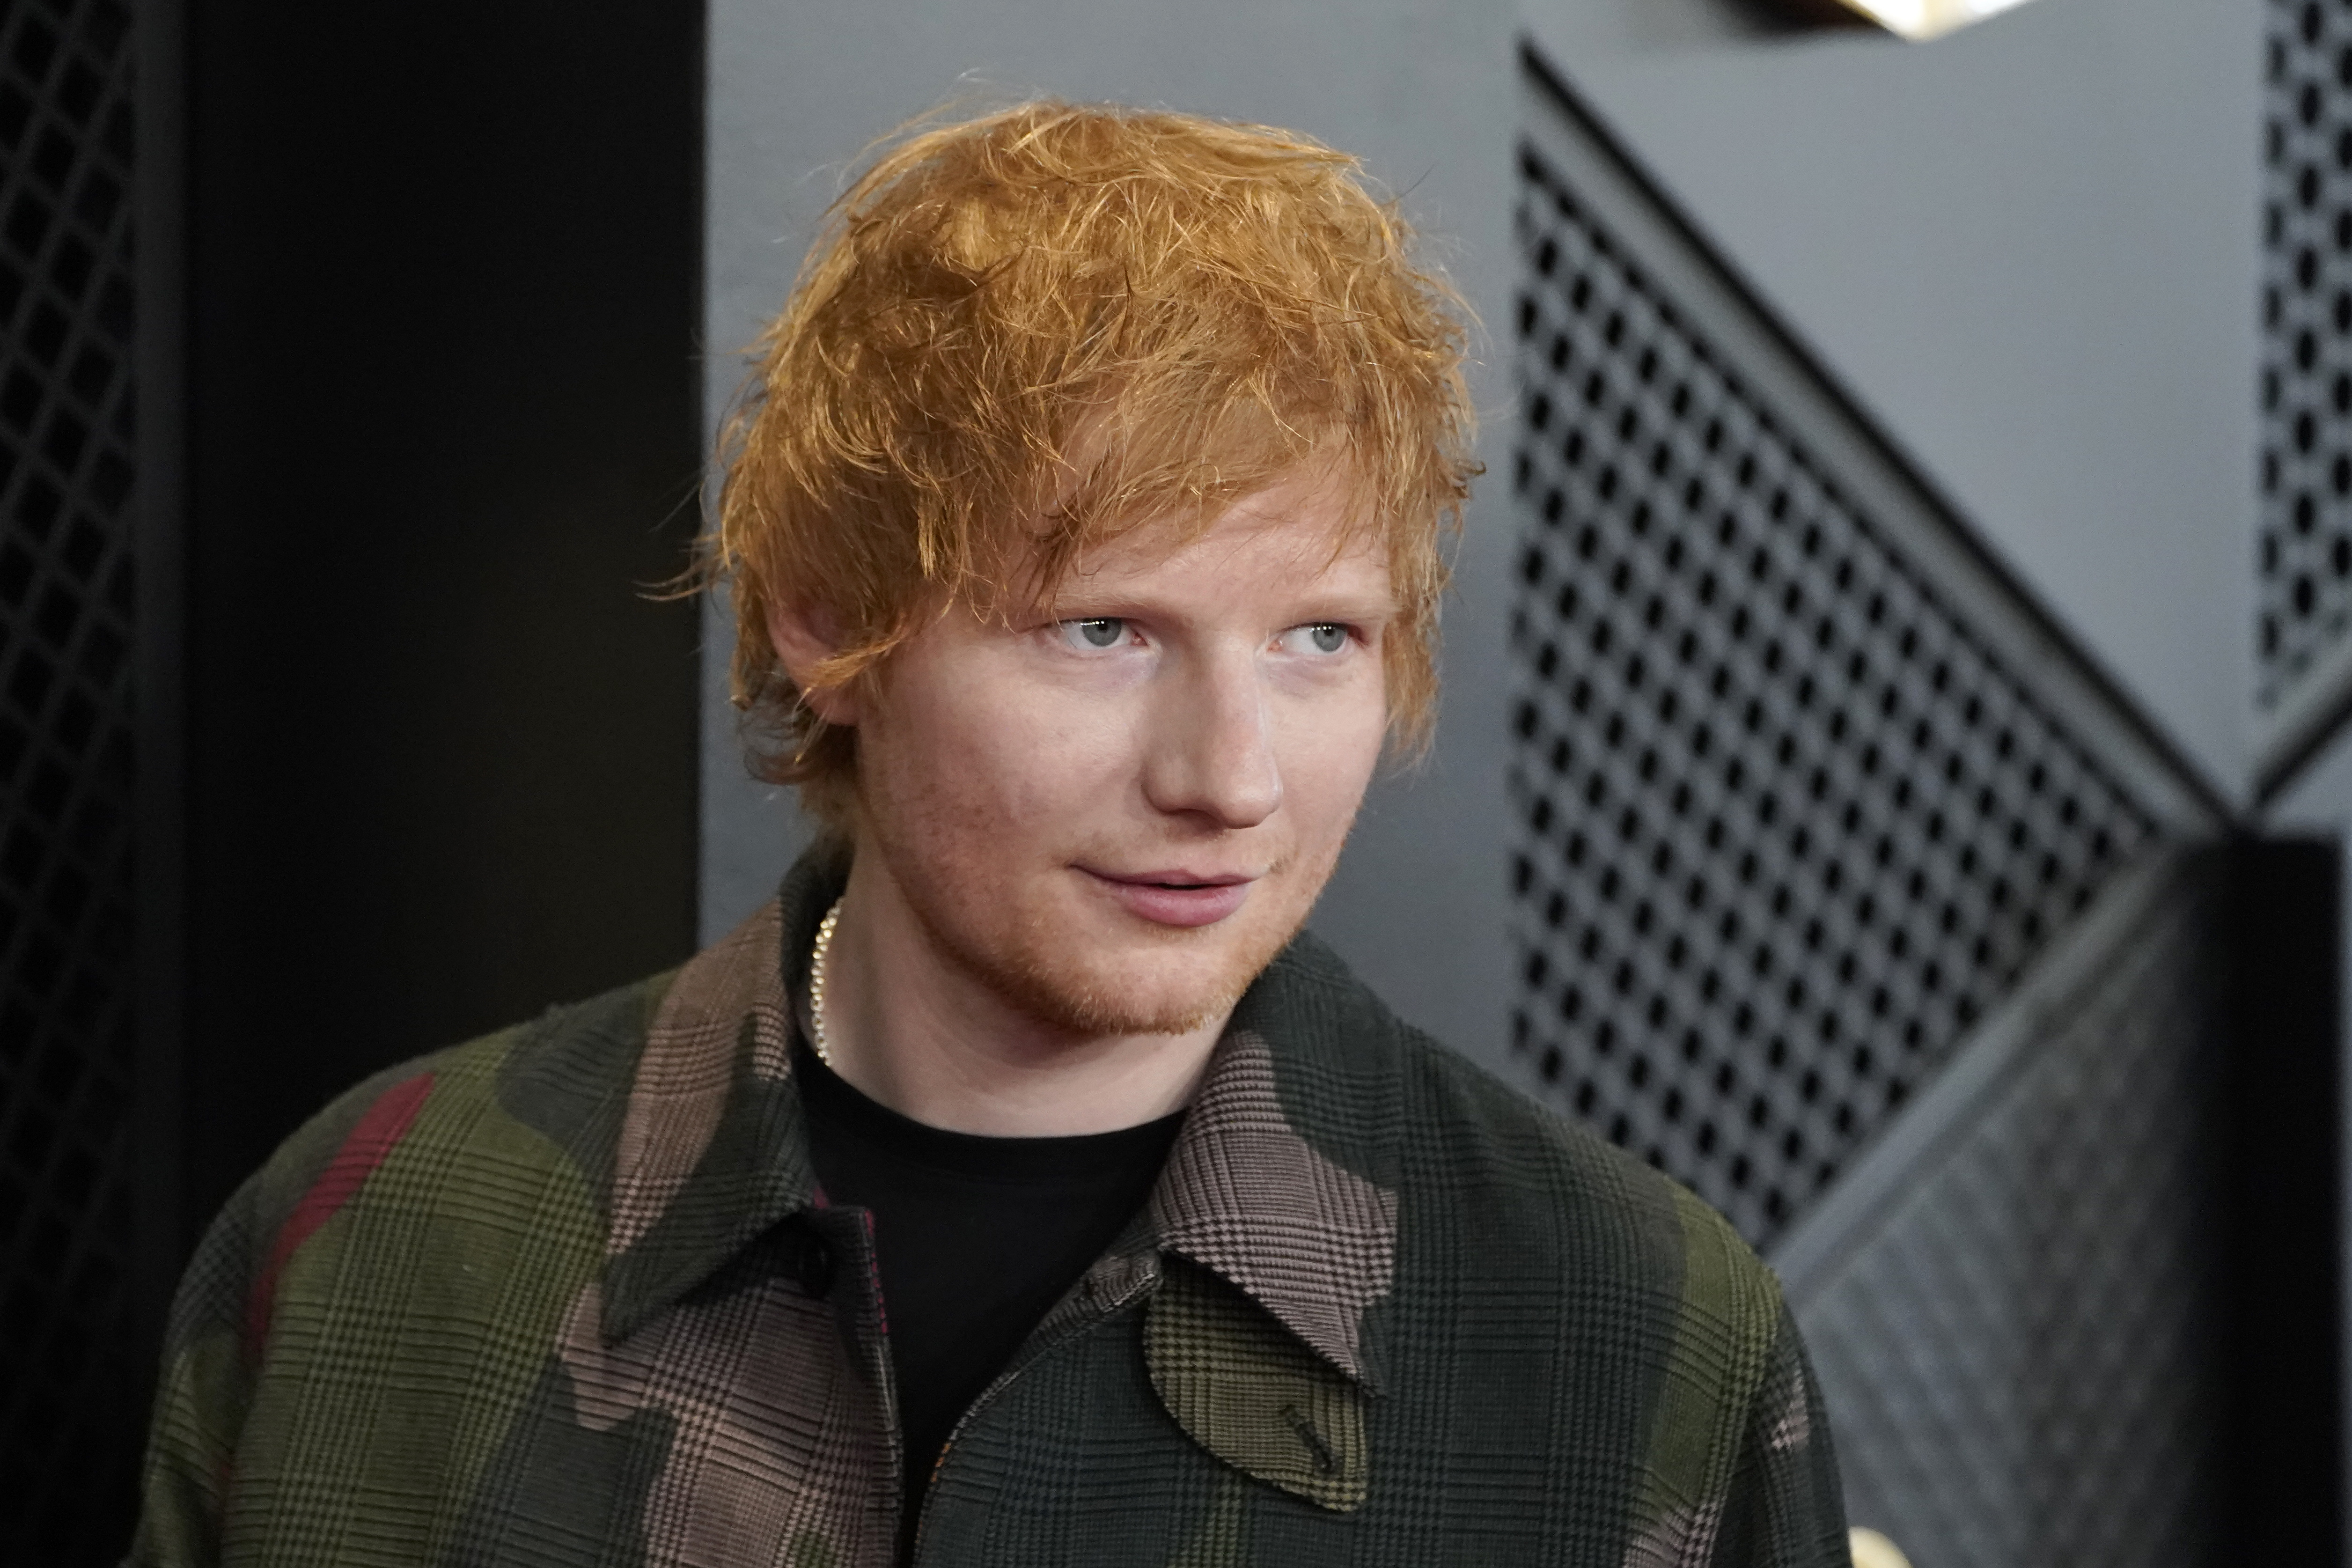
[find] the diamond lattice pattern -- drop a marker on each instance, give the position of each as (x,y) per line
(2019,1355)
(2305,576)
(65,768)
(1788,826)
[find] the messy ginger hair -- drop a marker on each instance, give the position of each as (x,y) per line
(1020,336)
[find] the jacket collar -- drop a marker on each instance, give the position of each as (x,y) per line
(1282,1182)
(714,1147)
(1282,1179)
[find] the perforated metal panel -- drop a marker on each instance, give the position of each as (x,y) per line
(2017,1351)
(1791,826)
(2306,379)
(66,763)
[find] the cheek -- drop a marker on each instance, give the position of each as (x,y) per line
(1000,760)
(1327,762)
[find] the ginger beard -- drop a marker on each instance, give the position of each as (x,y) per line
(1067,824)
(1062,968)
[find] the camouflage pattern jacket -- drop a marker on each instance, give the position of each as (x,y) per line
(569,1295)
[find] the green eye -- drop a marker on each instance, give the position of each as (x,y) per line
(1105,631)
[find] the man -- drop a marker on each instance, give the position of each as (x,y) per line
(1021,1187)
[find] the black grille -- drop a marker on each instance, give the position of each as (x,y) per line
(1788,828)
(66,599)
(2306,379)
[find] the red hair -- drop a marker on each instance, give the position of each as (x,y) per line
(1022,335)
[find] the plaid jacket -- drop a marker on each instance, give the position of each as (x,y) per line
(568,1295)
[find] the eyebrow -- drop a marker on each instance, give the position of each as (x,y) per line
(1351,608)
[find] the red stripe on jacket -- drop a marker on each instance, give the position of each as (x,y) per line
(369,1143)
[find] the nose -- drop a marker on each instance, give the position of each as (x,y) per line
(1210,752)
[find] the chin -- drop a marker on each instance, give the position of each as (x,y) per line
(1160,980)
(1148,994)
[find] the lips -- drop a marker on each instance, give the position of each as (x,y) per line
(1177,897)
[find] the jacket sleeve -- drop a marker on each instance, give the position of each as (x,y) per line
(1785,1509)
(214,1342)
(202,1394)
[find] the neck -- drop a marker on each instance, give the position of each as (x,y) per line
(909,1027)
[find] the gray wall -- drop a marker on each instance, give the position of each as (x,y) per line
(2029,248)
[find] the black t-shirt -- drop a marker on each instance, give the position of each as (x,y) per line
(977,1237)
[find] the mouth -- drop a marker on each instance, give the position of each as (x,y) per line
(1177,896)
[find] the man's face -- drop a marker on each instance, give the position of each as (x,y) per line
(1114,811)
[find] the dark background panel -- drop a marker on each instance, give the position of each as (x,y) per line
(408,300)
(68,1041)
(443,436)
(2283,1265)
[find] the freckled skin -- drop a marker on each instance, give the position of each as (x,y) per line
(1009,958)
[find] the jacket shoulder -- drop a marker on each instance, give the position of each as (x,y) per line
(514,1127)
(562,1075)
(449,1177)
(1565,1195)
(1641,1297)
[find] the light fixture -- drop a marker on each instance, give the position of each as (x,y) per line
(1918,19)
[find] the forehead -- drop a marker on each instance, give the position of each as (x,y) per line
(1302,534)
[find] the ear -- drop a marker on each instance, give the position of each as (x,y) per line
(804,636)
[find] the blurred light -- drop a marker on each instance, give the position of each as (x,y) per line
(1870,1549)
(1928,18)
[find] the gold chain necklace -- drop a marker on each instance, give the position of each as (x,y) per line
(817,956)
